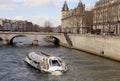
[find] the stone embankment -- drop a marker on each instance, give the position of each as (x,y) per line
(107,46)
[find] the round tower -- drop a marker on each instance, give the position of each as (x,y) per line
(65,9)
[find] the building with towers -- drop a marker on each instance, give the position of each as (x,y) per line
(76,20)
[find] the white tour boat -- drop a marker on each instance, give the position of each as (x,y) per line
(45,62)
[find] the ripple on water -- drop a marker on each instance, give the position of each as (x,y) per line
(81,66)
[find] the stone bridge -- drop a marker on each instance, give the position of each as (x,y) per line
(7,37)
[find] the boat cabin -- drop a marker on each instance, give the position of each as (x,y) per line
(45,62)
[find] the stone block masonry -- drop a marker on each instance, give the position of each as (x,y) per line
(107,46)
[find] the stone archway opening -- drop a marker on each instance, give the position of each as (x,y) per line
(53,39)
(1,41)
(56,41)
(20,40)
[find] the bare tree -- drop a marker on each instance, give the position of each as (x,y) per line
(48,26)
(88,21)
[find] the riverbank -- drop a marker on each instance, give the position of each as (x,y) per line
(106,46)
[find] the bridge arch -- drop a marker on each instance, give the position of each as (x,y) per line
(12,38)
(37,38)
(1,41)
(1,38)
(53,39)
(56,41)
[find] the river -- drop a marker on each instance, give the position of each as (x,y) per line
(82,66)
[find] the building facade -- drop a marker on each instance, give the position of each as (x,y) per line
(75,20)
(18,25)
(1,23)
(106,17)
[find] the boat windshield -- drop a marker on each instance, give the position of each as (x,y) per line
(55,63)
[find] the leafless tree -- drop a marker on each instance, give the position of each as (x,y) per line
(48,26)
(88,20)
(36,28)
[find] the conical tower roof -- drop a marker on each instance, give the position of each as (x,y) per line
(65,7)
(80,3)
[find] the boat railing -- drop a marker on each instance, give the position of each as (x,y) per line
(45,54)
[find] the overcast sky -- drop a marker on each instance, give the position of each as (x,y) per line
(38,11)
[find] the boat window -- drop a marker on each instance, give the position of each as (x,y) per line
(55,63)
(35,62)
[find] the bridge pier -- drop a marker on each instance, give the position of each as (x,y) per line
(6,41)
(35,42)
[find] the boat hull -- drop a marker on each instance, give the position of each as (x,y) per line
(30,62)
(36,66)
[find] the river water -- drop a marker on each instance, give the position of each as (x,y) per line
(81,66)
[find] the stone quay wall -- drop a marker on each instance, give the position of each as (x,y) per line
(107,46)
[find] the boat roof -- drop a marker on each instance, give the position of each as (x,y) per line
(42,54)
(34,56)
(37,56)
